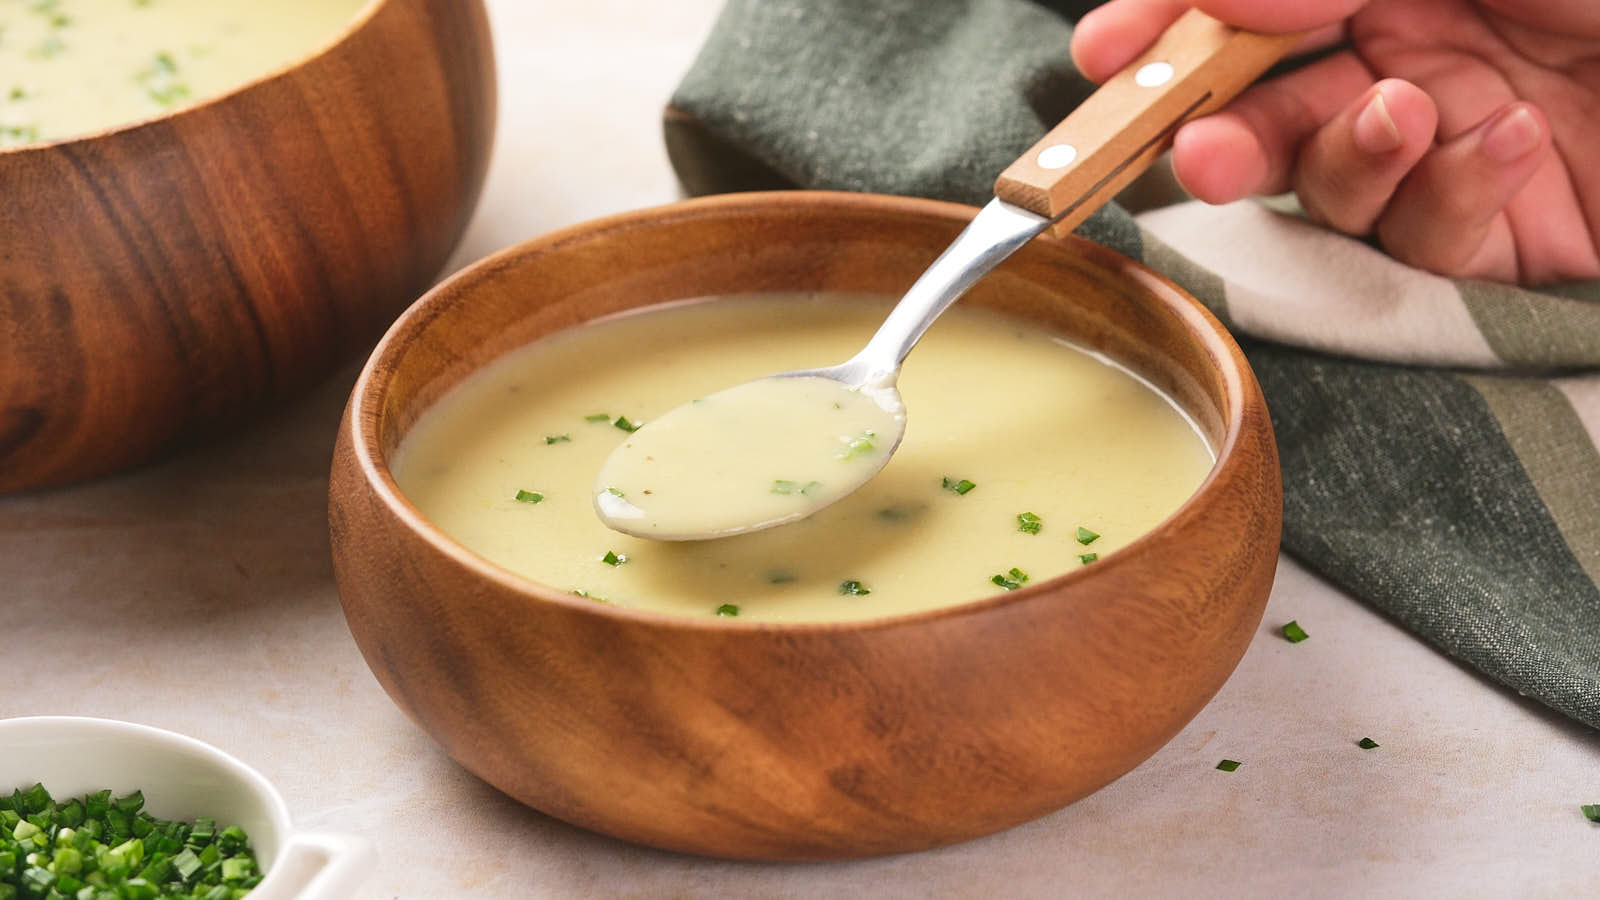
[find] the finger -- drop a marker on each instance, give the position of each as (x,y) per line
(1347,172)
(1280,17)
(1251,146)
(1112,35)
(1448,215)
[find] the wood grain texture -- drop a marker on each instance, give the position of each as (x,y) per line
(803,741)
(1125,125)
(164,279)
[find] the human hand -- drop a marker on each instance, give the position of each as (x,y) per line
(1463,134)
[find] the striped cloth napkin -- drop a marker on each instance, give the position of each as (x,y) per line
(1438,436)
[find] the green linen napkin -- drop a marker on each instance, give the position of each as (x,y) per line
(1438,436)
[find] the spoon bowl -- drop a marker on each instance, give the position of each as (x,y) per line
(757,455)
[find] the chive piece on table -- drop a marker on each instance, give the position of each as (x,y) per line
(597,417)
(958,487)
(1086,537)
(529,496)
(1591,811)
(779,576)
(1228,765)
(727,609)
(1367,744)
(557,438)
(1029,523)
(613,558)
(1087,558)
(1294,633)
(626,425)
(854,588)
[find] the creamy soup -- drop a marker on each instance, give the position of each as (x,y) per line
(757,455)
(1024,457)
(71,67)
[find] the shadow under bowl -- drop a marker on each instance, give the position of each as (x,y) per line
(803,741)
(172,275)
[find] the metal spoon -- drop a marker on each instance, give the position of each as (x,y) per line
(1197,65)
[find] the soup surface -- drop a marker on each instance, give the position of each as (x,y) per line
(71,67)
(1023,458)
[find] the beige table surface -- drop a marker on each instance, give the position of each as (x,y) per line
(197,595)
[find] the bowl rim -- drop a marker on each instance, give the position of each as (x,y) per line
(368,394)
(355,23)
(70,727)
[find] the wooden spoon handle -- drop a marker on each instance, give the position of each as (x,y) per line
(1195,67)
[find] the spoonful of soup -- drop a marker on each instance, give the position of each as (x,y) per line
(777,449)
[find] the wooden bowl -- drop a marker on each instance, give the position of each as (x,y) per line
(174,274)
(803,741)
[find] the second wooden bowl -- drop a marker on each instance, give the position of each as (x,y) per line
(164,277)
(803,741)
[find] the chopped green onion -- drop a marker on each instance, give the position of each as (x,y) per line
(727,609)
(613,558)
(1228,765)
(557,438)
(580,592)
(1017,579)
(794,487)
(1591,811)
(858,446)
(855,588)
(187,863)
(131,803)
(1029,523)
(1086,537)
(623,423)
(1294,633)
(1087,558)
(1367,744)
(237,868)
(614,492)
(529,496)
(82,849)
(597,417)
(781,577)
(37,799)
(958,487)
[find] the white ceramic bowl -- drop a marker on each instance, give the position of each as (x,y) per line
(183,778)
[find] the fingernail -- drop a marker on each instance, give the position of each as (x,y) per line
(1514,135)
(1375,131)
